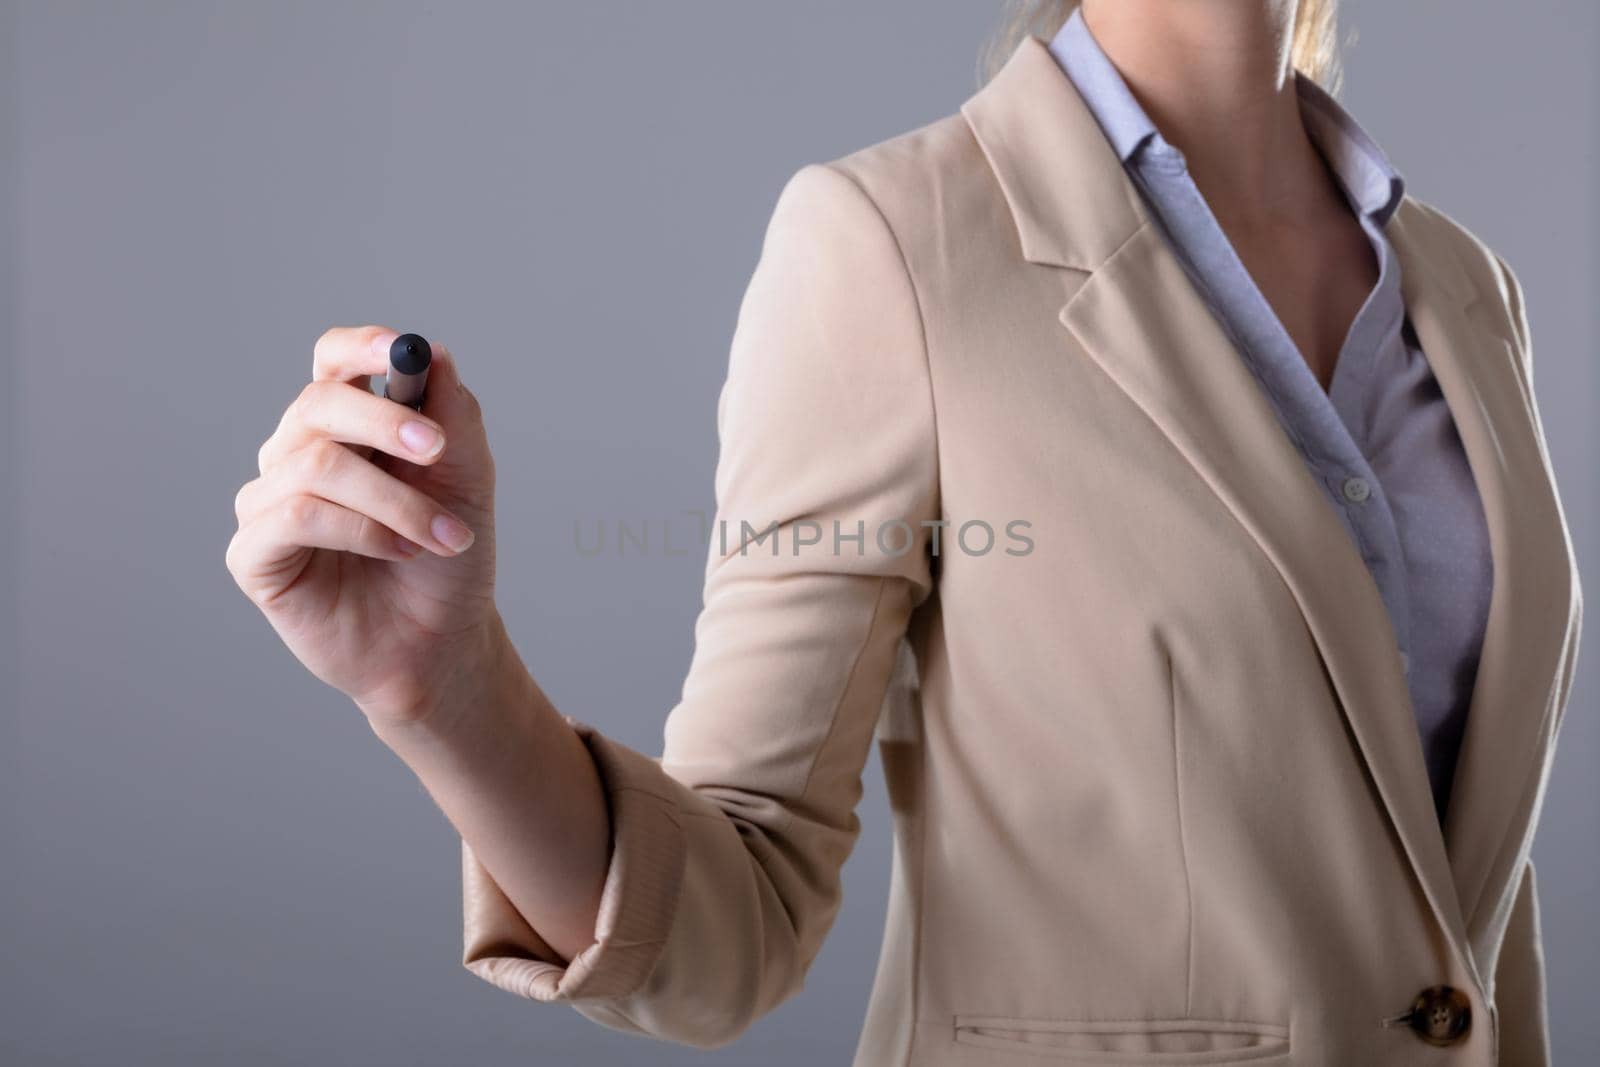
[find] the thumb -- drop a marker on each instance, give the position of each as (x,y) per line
(447,398)
(466,469)
(455,407)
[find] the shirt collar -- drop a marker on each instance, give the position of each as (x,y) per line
(1370,180)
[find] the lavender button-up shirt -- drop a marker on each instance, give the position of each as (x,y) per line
(1380,441)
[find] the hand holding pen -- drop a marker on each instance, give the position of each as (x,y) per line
(367,539)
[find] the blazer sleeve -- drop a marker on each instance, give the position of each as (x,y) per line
(724,875)
(1519,984)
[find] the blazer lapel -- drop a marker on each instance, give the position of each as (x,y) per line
(1533,612)
(1138,315)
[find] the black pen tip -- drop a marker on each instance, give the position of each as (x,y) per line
(410,353)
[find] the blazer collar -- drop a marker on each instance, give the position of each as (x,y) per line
(1068,191)
(1138,316)
(1071,199)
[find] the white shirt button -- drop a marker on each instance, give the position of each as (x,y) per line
(1356,489)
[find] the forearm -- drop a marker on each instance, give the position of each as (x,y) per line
(519,786)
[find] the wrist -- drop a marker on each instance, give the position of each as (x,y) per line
(478,673)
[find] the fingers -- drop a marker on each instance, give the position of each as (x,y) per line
(329,409)
(346,353)
(317,488)
(327,470)
(259,553)
(339,403)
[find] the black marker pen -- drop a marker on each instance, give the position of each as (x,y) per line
(407,380)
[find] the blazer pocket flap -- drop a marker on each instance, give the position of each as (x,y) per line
(1151,1041)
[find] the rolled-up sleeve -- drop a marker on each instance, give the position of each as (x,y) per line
(724,876)
(636,904)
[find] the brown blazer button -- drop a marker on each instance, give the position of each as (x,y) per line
(1441,1015)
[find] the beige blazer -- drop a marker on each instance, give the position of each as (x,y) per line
(1158,794)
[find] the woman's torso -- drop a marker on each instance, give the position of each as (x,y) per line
(1378,436)
(1162,768)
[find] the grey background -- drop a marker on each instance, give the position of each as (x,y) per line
(206,855)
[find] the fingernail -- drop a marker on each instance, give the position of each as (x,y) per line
(421,438)
(405,546)
(381,343)
(452,534)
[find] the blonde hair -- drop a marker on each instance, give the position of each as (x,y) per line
(1314,48)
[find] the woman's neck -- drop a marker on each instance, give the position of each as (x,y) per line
(1215,76)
